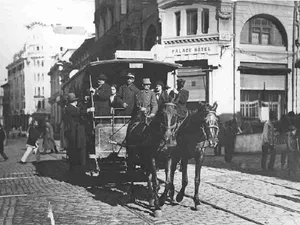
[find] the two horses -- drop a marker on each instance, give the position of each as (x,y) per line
(177,141)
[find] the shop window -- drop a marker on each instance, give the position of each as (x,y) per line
(205,21)
(192,21)
(178,20)
(253,100)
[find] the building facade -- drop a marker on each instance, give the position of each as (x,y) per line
(125,25)
(27,74)
(239,54)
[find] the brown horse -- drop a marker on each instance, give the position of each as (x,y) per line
(198,131)
(143,143)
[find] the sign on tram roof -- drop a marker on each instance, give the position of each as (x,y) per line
(128,54)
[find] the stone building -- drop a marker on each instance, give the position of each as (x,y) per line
(124,25)
(27,74)
(239,54)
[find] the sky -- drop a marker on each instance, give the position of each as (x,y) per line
(16,14)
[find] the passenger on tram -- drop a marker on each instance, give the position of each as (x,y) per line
(127,94)
(162,95)
(146,99)
(101,96)
(115,100)
(180,97)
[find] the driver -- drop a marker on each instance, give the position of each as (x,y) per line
(146,99)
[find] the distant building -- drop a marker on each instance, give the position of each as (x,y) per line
(27,74)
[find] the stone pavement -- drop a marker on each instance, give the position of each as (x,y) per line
(235,193)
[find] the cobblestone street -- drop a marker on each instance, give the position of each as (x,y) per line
(236,193)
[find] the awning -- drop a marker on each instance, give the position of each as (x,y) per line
(259,82)
(264,71)
(297,63)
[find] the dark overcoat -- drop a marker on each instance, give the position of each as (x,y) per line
(101,100)
(127,94)
(181,99)
(75,134)
(162,99)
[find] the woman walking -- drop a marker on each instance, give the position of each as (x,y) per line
(32,145)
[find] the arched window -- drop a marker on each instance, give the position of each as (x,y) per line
(263,31)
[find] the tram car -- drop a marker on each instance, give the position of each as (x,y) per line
(107,133)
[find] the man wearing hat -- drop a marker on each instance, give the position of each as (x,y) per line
(75,132)
(180,97)
(101,96)
(161,95)
(146,99)
(127,93)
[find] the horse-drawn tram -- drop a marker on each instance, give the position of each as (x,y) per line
(125,143)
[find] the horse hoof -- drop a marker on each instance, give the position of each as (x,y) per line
(151,203)
(179,197)
(197,207)
(157,213)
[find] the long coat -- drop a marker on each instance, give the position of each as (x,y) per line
(162,99)
(181,99)
(127,94)
(76,135)
(147,99)
(101,98)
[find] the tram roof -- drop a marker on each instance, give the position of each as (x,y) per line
(136,63)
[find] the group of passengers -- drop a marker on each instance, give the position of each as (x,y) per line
(129,98)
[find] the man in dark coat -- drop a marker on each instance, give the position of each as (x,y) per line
(101,97)
(127,92)
(161,95)
(180,97)
(2,139)
(75,133)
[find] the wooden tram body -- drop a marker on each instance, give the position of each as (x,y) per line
(111,129)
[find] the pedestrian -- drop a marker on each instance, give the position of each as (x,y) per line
(101,96)
(268,143)
(48,138)
(75,133)
(229,140)
(292,143)
(127,93)
(285,123)
(32,144)
(2,139)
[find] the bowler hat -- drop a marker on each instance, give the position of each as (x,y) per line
(181,81)
(159,82)
(72,97)
(130,75)
(102,77)
(146,81)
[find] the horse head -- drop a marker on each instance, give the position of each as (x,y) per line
(169,124)
(211,124)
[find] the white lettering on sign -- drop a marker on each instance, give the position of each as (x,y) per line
(192,50)
(136,65)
